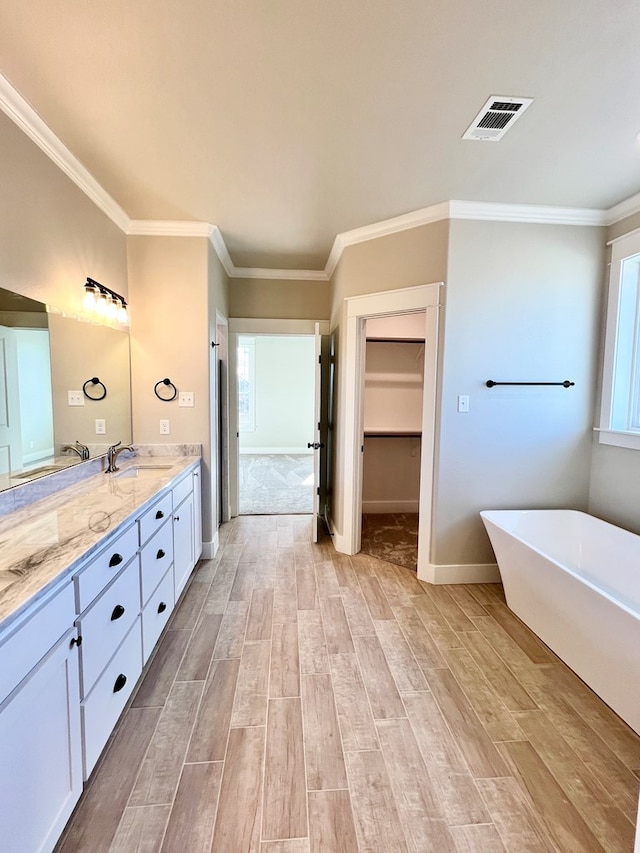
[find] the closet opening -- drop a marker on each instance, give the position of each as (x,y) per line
(393,395)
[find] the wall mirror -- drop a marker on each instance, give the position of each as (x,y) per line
(45,360)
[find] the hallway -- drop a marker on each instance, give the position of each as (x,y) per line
(302,701)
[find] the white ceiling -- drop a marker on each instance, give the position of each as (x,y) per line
(286,122)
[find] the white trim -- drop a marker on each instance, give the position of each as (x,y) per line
(529,213)
(623,237)
(22,113)
(357,309)
(625,208)
(169,228)
(284,275)
(463,573)
(615,438)
(210,549)
(258,326)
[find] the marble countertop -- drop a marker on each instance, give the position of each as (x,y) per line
(46,540)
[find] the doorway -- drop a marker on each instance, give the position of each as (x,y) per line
(392,435)
(275,391)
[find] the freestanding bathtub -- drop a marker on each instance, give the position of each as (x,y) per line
(575,581)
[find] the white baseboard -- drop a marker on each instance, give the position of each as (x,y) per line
(374,507)
(210,549)
(462,573)
(271,451)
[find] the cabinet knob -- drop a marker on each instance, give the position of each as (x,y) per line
(159,514)
(176,518)
(120,682)
(118,611)
(162,607)
(75,641)
(115,560)
(160,554)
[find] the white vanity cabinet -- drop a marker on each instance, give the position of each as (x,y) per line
(71,660)
(40,739)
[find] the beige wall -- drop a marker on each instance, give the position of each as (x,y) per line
(282,300)
(51,235)
(523,303)
(169,284)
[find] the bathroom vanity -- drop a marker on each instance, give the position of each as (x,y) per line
(89,578)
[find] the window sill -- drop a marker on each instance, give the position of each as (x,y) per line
(616,438)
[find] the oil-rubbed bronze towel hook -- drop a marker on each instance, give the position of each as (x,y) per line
(165,390)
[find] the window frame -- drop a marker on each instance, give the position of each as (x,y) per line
(620,402)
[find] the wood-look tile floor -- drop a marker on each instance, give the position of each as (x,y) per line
(302,701)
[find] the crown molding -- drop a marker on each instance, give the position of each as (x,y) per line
(21,113)
(280,275)
(530,213)
(628,207)
(169,228)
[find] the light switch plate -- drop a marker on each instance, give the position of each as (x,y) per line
(75,398)
(186,398)
(463,403)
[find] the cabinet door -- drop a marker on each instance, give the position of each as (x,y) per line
(197,516)
(183,559)
(41,753)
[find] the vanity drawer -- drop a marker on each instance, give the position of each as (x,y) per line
(155,517)
(155,559)
(182,489)
(101,570)
(156,614)
(105,703)
(23,646)
(106,622)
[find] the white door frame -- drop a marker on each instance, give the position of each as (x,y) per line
(358,309)
(254,326)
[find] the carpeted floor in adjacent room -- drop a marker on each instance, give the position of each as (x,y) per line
(276,484)
(392,537)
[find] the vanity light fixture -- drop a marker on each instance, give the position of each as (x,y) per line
(104,302)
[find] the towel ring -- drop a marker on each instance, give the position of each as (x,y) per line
(98,395)
(169,385)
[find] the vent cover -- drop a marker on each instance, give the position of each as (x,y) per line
(496,117)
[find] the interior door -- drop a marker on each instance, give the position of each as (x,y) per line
(10,434)
(321,426)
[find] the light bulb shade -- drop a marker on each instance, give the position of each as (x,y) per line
(89,299)
(112,308)
(123,317)
(102,305)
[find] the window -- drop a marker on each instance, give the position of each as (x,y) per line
(620,413)
(246,384)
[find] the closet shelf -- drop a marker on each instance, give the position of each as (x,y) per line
(394,433)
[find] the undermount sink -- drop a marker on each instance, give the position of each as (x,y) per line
(143,471)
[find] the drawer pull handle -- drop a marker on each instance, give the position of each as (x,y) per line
(159,514)
(121,680)
(118,611)
(75,641)
(115,560)
(160,554)
(162,607)
(176,518)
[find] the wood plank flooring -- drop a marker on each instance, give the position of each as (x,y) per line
(302,701)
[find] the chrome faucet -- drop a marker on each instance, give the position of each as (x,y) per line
(112,456)
(81,449)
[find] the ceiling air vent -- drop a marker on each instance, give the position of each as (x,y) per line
(496,117)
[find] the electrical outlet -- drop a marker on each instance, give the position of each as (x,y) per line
(186,398)
(75,398)
(463,403)
(101,426)
(164,427)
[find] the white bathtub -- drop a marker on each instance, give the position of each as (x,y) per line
(575,581)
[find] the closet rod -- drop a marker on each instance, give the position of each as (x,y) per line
(566,384)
